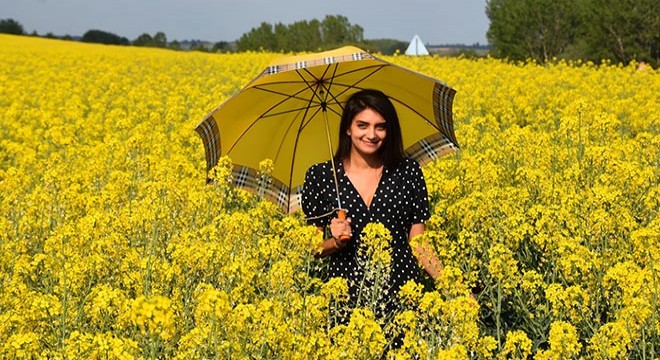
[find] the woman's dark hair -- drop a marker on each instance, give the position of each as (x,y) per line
(391,153)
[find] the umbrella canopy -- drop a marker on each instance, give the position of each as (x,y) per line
(282,115)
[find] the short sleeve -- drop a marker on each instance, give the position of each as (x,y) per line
(313,197)
(420,204)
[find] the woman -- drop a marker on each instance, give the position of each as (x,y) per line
(377,183)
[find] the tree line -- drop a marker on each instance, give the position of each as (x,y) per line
(542,30)
(159,39)
(313,35)
(333,31)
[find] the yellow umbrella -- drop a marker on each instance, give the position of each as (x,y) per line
(290,114)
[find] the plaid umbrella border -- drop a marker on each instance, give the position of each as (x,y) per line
(210,134)
(443,99)
(431,148)
(274,69)
(276,191)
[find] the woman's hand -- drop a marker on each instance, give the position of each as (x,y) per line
(340,229)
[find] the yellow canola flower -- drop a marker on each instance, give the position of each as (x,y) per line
(266,167)
(612,341)
(647,239)
(154,315)
(21,346)
(335,289)
(564,344)
(105,306)
(575,261)
(100,346)
(432,304)
(212,304)
(362,338)
(462,314)
(626,281)
(532,282)
(554,195)
(451,282)
(570,304)
(638,316)
(486,347)
(503,267)
(375,244)
(456,352)
(517,346)
(410,294)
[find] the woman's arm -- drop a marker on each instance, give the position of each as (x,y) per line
(333,244)
(425,254)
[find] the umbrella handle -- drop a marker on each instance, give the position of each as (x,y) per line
(341,213)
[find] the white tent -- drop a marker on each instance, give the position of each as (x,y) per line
(416,47)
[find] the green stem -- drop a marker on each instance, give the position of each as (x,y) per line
(654,334)
(498,313)
(65,298)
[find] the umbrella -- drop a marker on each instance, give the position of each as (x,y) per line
(290,114)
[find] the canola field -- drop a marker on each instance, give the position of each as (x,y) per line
(113,247)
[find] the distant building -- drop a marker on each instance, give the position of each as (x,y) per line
(416,47)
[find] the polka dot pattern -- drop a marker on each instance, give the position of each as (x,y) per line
(400,201)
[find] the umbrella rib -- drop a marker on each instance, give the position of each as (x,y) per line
(317,79)
(332,79)
(287,97)
(303,122)
(432,123)
(295,145)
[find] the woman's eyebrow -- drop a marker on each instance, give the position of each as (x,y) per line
(366,122)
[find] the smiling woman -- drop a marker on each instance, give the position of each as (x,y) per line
(377,184)
(367,132)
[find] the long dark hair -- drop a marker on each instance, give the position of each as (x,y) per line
(391,153)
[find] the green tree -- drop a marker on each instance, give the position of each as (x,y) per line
(103,37)
(160,40)
(302,35)
(221,47)
(622,30)
(143,40)
(261,38)
(337,30)
(281,34)
(11,26)
(537,29)
(174,45)
(305,35)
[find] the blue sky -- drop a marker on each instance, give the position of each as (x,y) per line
(435,21)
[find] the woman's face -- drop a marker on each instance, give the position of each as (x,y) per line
(367,132)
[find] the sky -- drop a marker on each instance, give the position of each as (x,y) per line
(435,21)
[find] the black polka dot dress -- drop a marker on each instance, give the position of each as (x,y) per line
(400,201)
